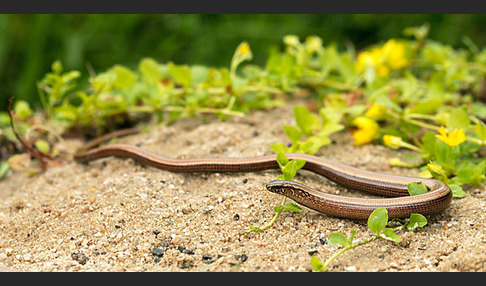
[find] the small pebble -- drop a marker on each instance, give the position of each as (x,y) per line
(80,257)
(188,251)
(158,251)
(245,180)
(207,257)
(236,217)
(243,257)
(313,252)
(313,244)
(163,245)
(322,240)
(207,209)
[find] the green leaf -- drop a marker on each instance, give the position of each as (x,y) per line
(416,188)
(313,144)
(459,118)
(282,159)
(470,176)
(181,74)
(279,148)
(290,169)
(3,169)
(378,219)
(22,109)
(445,155)
(42,145)
(428,145)
(316,264)
(150,70)
(293,133)
(56,67)
(481,130)
(416,220)
(290,207)
(308,122)
(337,239)
(424,107)
(457,191)
(351,237)
(199,74)
(390,235)
(124,79)
(278,209)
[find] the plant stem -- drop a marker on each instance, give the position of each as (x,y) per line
(353,245)
(259,228)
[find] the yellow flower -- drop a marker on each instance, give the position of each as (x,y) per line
(291,40)
(376,111)
(366,132)
(243,49)
(372,59)
(394,54)
(391,56)
(313,44)
(394,142)
(453,138)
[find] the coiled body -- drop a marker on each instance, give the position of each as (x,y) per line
(399,203)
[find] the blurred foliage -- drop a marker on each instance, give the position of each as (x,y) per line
(29,44)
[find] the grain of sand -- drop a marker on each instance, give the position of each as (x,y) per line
(117,215)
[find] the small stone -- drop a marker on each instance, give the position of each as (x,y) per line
(313,252)
(163,245)
(181,248)
(236,217)
(243,257)
(245,180)
(188,251)
(322,240)
(8,251)
(313,244)
(80,257)
(158,251)
(207,209)
(207,257)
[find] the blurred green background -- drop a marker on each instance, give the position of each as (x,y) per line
(30,43)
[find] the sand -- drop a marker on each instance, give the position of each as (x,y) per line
(118,215)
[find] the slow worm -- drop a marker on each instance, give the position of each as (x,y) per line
(399,203)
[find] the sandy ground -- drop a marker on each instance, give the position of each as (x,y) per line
(117,215)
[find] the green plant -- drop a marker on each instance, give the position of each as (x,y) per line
(377,224)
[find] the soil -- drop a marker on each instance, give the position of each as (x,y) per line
(114,214)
